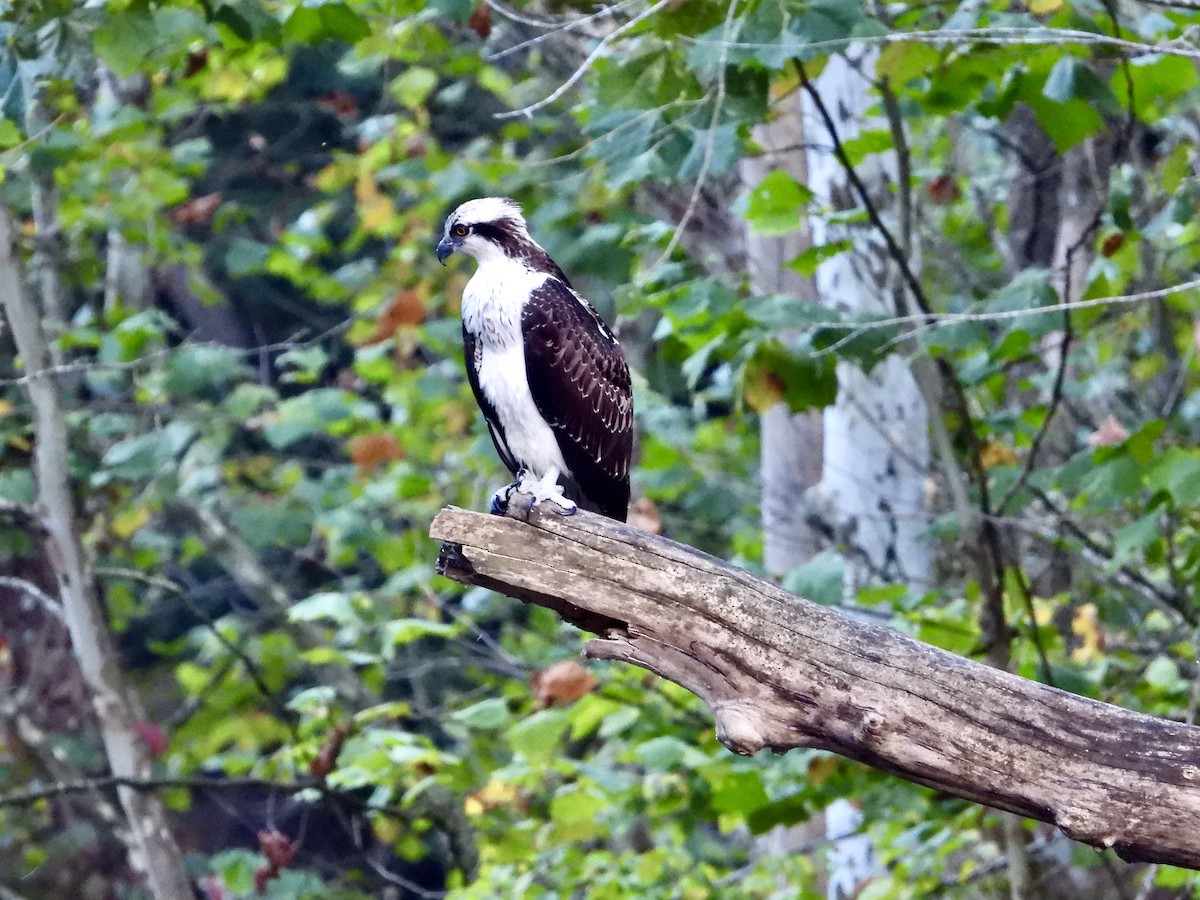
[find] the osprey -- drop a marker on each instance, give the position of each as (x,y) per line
(547,372)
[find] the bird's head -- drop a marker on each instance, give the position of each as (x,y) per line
(484,228)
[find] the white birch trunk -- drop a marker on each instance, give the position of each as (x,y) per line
(876,444)
(790,456)
(152,847)
(876,434)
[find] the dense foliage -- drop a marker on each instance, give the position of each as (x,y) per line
(229,210)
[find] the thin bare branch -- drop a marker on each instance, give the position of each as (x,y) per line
(1016,35)
(32,591)
(710,142)
(583,68)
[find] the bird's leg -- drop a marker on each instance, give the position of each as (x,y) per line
(546,488)
(500,499)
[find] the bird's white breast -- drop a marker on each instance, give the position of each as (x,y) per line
(491,311)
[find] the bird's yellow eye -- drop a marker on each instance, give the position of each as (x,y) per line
(460,230)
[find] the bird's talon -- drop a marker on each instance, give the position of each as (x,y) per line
(501,499)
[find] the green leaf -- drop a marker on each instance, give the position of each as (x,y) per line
(246,257)
(399,632)
(1157,81)
(808,261)
(821,579)
(335,606)
(1177,472)
(194,370)
(776,205)
(125,40)
(485,715)
(1067,123)
(718,145)
(538,737)
(1163,672)
(1113,482)
(774,374)
(668,753)
(1133,537)
(10,134)
(16,486)
(738,792)
(903,61)
(414,86)
(576,813)
(326,22)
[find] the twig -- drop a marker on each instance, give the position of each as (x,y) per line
(1016,36)
(1164,600)
(555,28)
(251,667)
(709,145)
(586,64)
(103,782)
(895,251)
(903,164)
(31,590)
(292,343)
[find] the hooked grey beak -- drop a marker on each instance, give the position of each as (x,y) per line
(444,248)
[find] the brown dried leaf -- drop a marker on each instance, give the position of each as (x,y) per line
(327,756)
(277,848)
(644,515)
(1110,433)
(197,211)
(821,768)
(406,310)
(368,451)
(564,682)
(1111,244)
(943,190)
(481,21)
(342,104)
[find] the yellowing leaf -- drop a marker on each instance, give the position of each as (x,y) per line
(493,795)
(130,521)
(821,768)
(375,214)
(997,454)
(762,389)
(1085,625)
(1044,7)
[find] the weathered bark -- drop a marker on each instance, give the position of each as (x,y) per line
(780,672)
(151,843)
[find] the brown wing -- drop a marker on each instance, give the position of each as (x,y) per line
(580,385)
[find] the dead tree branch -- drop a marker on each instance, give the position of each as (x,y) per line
(780,672)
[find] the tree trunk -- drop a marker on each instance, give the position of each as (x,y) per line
(150,841)
(780,672)
(876,435)
(790,461)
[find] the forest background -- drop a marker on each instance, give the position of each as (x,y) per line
(909,292)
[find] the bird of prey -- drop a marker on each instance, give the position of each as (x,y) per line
(547,372)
